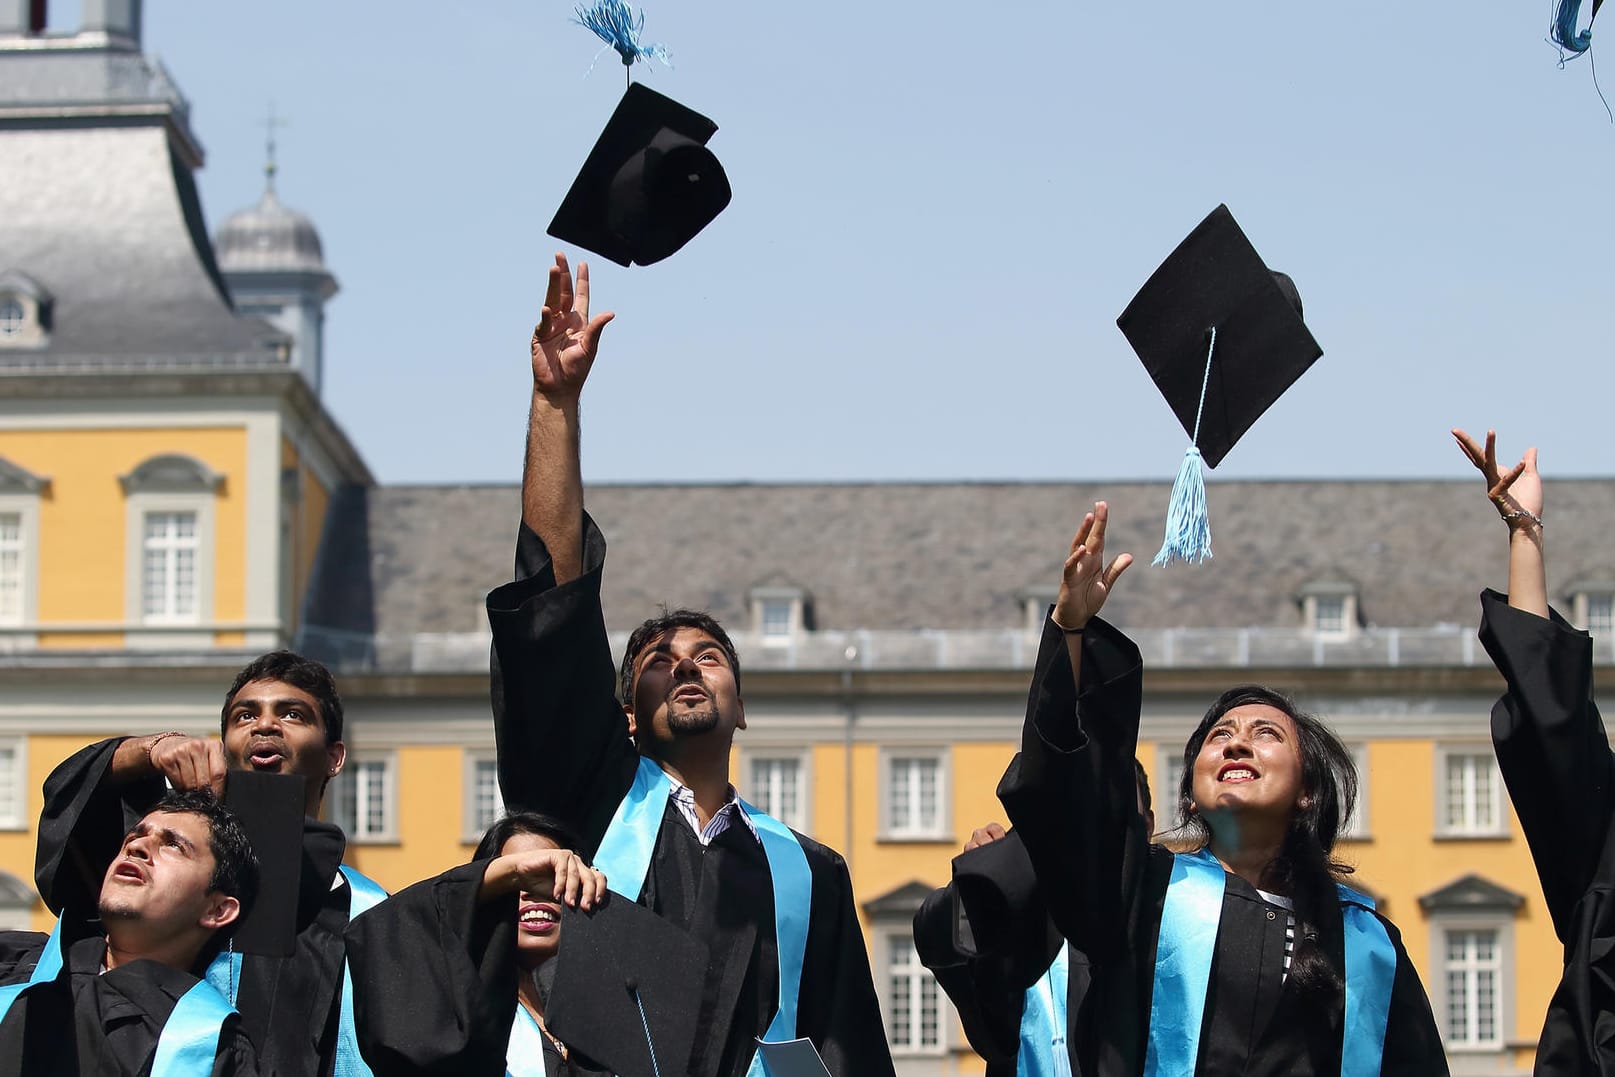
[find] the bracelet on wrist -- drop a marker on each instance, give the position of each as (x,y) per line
(1521,514)
(153,741)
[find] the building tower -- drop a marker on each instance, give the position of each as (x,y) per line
(272,260)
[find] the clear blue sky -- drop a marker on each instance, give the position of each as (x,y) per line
(939,210)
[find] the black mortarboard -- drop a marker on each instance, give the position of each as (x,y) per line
(1222,336)
(613,961)
(648,186)
(270,807)
(1215,279)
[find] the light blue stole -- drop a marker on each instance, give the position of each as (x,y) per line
(363,893)
(1188,941)
(1043,1051)
(525,1055)
(190,1037)
(625,856)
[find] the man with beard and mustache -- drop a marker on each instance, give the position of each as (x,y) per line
(774,908)
(115,989)
(282,715)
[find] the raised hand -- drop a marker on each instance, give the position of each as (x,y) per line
(190,762)
(1516,493)
(565,339)
(557,874)
(984,835)
(1086,581)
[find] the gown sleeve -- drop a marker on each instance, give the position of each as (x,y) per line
(1412,1042)
(561,734)
(1071,791)
(987,938)
(837,1007)
(1552,749)
(434,977)
(236,1056)
(83,823)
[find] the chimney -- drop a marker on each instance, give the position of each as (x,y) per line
(115,18)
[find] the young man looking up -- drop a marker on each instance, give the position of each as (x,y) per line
(774,908)
(282,715)
(112,999)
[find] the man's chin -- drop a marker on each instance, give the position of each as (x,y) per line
(692,723)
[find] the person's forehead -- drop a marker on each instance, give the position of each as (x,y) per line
(1248,714)
(272,692)
(525,842)
(686,639)
(192,826)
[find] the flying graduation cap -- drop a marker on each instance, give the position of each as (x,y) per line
(650,183)
(1222,337)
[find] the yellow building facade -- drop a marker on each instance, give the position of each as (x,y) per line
(175,499)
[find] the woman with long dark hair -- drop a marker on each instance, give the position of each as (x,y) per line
(450,974)
(1244,952)
(1553,750)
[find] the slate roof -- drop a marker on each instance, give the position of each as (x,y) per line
(98,204)
(917,556)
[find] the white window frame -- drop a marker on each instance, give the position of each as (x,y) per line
(1164,784)
(472,827)
(1442,923)
(764,598)
(801,820)
(25,506)
(1595,611)
(12,325)
(343,798)
(1360,826)
(940,829)
(18,817)
(885,937)
(1482,829)
(144,633)
(1313,601)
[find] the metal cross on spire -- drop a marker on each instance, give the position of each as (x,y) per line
(271,123)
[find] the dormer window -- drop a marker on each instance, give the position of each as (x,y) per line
(1593,607)
(778,613)
(1035,603)
(24,311)
(1329,608)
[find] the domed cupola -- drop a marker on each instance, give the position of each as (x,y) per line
(272,261)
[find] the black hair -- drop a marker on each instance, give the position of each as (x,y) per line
(525,822)
(1305,866)
(302,673)
(235,865)
(668,622)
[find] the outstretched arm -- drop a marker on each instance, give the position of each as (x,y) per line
(1085,583)
(1518,497)
(564,345)
(1071,792)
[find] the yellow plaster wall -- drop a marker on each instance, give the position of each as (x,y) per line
(82,557)
(429,820)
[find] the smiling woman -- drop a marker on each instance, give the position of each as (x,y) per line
(1242,953)
(451,973)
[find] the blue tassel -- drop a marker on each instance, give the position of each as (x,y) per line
(615,23)
(1188,528)
(1563,31)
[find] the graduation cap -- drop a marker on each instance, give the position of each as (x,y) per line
(1221,335)
(627,982)
(270,808)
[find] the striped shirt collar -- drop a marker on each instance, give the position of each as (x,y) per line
(684,797)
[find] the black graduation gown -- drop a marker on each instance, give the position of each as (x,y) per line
(1071,793)
(115,1017)
(564,750)
(1555,757)
(289,1006)
(434,973)
(987,938)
